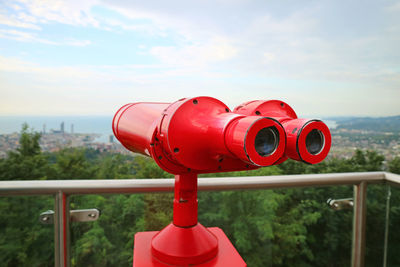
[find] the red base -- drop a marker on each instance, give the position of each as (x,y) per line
(226,255)
(184,245)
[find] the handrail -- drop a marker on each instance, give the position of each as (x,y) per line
(62,189)
(393,179)
(129,186)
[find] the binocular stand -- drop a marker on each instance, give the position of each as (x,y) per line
(185,242)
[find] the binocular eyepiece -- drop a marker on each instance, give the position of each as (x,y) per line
(307,140)
(203,135)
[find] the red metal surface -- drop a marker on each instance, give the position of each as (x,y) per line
(185,200)
(226,256)
(184,245)
(296,129)
(202,135)
(134,124)
(271,108)
(242,134)
(198,135)
(185,241)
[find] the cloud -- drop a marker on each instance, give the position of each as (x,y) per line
(73,42)
(224,48)
(35,14)
(23,36)
(395,7)
(33,38)
(16,65)
(72,12)
(15,22)
(37,89)
(199,55)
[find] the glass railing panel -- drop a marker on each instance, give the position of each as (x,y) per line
(24,240)
(286,227)
(109,241)
(393,234)
(375,224)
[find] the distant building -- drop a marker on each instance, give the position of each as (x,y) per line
(62,127)
(55,131)
(111,138)
(44,128)
(72,128)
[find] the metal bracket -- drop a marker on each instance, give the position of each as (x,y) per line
(88,215)
(340,204)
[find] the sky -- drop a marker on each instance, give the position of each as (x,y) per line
(324,58)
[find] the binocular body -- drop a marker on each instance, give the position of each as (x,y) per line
(202,135)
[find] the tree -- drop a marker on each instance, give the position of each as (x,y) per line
(27,162)
(21,235)
(394,165)
(29,142)
(158,207)
(72,164)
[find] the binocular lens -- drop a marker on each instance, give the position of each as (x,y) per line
(267,140)
(315,142)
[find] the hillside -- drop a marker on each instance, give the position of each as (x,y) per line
(380,124)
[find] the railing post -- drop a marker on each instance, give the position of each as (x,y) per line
(386,240)
(61,230)
(359,219)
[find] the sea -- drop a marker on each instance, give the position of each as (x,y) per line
(81,124)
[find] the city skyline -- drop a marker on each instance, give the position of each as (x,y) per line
(89,58)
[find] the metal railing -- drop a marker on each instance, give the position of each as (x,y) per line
(62,189)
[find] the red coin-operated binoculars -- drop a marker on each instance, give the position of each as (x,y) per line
(202,135)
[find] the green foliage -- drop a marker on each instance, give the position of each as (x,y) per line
(115,166)
(23,240)
(367,161)
(394,165)
(72,164)
(158,207)
(27,163)
(29,142)
(109,240)
(147,168)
